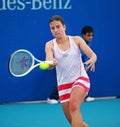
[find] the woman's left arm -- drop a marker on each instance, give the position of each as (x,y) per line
(88,52)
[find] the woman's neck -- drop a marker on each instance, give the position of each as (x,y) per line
(62,40)
(63,43)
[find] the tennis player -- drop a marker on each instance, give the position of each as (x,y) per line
(72,79)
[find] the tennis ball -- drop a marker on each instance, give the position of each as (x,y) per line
(44,66)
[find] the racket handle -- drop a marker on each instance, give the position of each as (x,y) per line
(49,62)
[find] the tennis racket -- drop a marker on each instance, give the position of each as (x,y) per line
(22,62)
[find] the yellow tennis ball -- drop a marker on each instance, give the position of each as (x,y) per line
(44,66)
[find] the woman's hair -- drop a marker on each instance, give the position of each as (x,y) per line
(56,18)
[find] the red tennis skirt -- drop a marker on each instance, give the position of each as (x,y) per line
(65,89)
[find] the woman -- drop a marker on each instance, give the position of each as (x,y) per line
(72,79)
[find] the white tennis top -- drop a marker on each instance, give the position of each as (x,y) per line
(70,65)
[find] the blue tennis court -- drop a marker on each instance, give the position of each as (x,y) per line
(99,113)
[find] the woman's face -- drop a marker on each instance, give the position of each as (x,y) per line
(57,29)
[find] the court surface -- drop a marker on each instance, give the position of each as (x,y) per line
(99,113)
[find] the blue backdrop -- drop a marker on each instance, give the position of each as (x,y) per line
(24,24)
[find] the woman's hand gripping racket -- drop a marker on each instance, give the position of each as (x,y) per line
(22,61)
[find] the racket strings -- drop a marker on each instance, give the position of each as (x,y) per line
(20,63)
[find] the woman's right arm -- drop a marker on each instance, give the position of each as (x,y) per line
(49,53)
